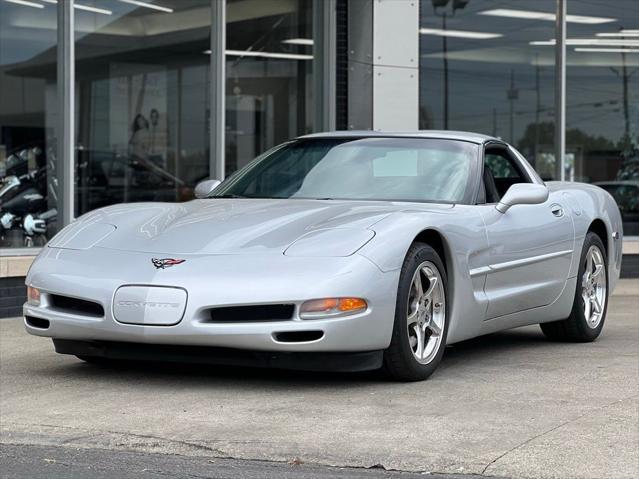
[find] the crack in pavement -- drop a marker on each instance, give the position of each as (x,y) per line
(565,423)
(219,454)
(27,458)
(89,434)
(170,474)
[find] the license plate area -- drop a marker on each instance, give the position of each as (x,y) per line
(149,305)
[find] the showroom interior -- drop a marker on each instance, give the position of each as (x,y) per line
(111,101)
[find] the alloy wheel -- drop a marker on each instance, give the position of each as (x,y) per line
(426,312)
(593,287)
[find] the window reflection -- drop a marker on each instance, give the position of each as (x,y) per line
(479,72)
(142,92)
(602,102)
(269,66)
(28,189)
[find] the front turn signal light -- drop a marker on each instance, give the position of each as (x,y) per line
(331,307)
(33,296)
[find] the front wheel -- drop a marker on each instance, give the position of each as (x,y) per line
(421,322)
(590,305)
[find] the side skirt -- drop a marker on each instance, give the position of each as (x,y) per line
(559,309)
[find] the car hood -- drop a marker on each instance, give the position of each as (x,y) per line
(230,226)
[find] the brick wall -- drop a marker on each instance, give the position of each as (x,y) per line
(13,294)
(630,266)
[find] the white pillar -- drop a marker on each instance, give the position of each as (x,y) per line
(395,65)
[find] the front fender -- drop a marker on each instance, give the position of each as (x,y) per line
(464,235)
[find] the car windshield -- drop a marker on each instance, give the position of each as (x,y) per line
(402,169)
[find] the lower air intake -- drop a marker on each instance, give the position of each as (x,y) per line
(250,314)
(298,336)
(37,322)
(67,304)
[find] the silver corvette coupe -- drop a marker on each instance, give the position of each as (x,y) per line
(337,251)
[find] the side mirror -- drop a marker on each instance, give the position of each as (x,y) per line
(205,188)
(522,194)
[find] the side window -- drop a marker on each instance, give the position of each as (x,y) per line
(500,166)
(500,173)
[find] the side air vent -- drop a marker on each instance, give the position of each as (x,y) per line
(250,314)
(66,304)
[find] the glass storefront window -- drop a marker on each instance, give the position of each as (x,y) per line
(143,78)
(480,71)
(142,101)
(269,67)
(602,101)
(28,37)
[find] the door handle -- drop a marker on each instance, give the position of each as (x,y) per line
(557,210)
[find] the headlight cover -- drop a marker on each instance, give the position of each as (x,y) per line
(33,296)
(327,243)
(332,307)
(81,236)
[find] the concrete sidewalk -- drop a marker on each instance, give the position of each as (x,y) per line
(510,404)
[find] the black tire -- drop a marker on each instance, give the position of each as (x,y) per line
(399,362)
(575,328)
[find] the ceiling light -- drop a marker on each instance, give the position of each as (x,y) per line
(621,33)
(251,53)
(299,41)
(592,41)
(459,33)
(25,3)
(602,42)
(530,15)
(139,3)
(86,8)
(607,50)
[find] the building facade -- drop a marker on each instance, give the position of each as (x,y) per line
(110,101)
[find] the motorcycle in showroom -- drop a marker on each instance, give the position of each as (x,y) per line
(25,218)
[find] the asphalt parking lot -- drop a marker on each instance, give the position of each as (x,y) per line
(509,404)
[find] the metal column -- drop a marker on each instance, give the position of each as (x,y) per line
(324,66)
(65,161)
(218,88)
(360,65)
(560,92)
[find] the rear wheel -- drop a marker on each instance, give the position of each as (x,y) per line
(590,305)
(420,327)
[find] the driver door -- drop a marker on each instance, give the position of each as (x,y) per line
(530,246)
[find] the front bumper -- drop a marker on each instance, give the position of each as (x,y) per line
(304,361)
(214,281)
